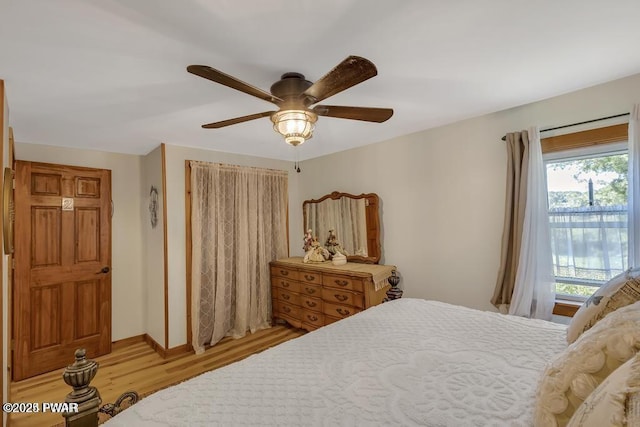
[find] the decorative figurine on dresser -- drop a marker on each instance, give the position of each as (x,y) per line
(333,246)
(314,252)
(328,284)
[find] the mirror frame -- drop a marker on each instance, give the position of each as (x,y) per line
(372,214)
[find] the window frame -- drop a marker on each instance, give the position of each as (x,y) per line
(579,143)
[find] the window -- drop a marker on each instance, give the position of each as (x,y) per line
(587,199)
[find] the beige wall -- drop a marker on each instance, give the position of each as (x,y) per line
(442,190)
(176,157)
(153,247)
(128,305)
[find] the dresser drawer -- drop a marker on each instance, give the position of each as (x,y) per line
(311,289)
(284,272)
(342,282)
(286,284)
(309,277)
(312,317)
(289,310)
(310,303)
(288,296)
(339,310)
(330,319)
(343,297)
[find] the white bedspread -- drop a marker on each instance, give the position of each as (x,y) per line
(403,363)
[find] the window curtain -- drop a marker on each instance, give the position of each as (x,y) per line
(239,225)
(634,187)
(527,256)
(517,145)
(534,288)
(590,242)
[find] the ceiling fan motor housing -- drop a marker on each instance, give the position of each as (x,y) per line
(289,88)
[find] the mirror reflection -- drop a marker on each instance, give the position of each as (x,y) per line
(345,223)
(341,222)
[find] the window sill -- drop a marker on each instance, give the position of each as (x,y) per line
(566,308)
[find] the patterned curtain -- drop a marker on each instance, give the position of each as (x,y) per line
(239,225)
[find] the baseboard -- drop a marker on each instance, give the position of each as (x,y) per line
(181,349)
(170,352)
(116,345)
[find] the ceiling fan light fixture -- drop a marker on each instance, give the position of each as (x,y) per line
(296,126)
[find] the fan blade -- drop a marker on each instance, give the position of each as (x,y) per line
(217,125)
(229,81)
(348,73)
(366,114)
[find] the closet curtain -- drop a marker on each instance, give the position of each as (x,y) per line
(634,187)
(528,244)
(239,225)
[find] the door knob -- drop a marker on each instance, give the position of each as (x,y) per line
(104,270)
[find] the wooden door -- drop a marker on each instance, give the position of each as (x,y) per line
(62,288)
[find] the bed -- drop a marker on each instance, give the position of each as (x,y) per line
(405,362)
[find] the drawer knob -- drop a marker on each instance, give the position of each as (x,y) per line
(286,296)
(311,303)
(284,284)
(341,282)
(342,311)
(284,272)
(341,298)
(312,318)
(286,309)
(309,277)
(310,290)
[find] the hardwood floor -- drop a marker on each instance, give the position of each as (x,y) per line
(137,367)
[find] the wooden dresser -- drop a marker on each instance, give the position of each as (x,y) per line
(312,295)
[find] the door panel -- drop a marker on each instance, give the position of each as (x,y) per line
(88,232)
(88,303)
(43,184)
(46,224)
(45,329)
(61,296)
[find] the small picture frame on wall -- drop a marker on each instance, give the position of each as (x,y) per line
(153,206)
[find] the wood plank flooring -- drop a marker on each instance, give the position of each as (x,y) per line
(137,367)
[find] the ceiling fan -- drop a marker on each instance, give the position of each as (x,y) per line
(294,96)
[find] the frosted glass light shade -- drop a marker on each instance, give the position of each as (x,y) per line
(295,125)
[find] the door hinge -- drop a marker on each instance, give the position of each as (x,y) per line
(13,344)
(13,263)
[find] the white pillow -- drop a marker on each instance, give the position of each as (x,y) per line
(576,372)
(610,403)
(622,290)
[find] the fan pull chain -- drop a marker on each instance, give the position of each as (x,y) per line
(296,164)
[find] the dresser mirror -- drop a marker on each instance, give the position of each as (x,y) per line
(354,220)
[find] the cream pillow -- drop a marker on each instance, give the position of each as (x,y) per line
(622,290)
(576,372)
(611,404)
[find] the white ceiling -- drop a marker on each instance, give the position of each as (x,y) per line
(111,74)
